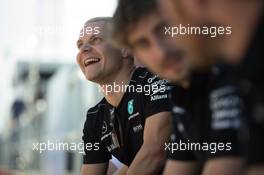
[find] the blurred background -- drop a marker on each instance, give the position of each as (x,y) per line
(43,94)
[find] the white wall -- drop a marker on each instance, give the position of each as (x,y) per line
(41,31)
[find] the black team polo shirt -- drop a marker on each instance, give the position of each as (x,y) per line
(251,82)
(208,116)
(118,131)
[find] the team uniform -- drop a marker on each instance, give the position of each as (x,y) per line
(251,84)
(118,131)
(206,117)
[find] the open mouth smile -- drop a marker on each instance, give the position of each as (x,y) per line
(91,60)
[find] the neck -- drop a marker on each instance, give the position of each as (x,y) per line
(114,90)
(185,82)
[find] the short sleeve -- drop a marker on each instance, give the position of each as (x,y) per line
(94,149)
(175,153)
(173,149)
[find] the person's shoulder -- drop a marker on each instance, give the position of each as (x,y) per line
(144,76)
(224,82)
(95,115)
(223,74)
(140,74)
(222,69)
(97,108)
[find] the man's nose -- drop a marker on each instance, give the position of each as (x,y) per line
(159,50)
(86,48)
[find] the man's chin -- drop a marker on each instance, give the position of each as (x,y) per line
(92,78)
(175,78)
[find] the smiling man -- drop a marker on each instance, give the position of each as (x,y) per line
(132,126)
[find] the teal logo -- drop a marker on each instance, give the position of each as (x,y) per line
(130,107)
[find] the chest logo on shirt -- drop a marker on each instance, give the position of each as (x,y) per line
(130,106)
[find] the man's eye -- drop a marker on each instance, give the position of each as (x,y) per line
(96,40)
(160,31)
(142,44)
(79,45)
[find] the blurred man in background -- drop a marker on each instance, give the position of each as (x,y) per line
(130,125)
(243,49)
(198,90)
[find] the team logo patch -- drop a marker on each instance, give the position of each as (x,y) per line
(130,107)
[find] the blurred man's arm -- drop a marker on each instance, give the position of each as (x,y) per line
(151,157)
(224,166)
(94,169)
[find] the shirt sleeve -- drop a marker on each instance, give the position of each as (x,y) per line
(173,148)
(226,108)
(156,95)
(175,153)
(94,149)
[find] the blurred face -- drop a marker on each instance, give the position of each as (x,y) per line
(98,60)
(200,49)
(157,52)
(214,13)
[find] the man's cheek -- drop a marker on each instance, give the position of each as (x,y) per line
(78,59)
(140,57)
(102,52)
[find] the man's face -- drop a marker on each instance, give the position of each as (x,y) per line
(214,13)
(200,49)
(157,52)
(97,59)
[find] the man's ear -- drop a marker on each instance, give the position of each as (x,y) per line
(126,53)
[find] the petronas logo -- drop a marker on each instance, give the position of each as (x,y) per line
(130,107)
